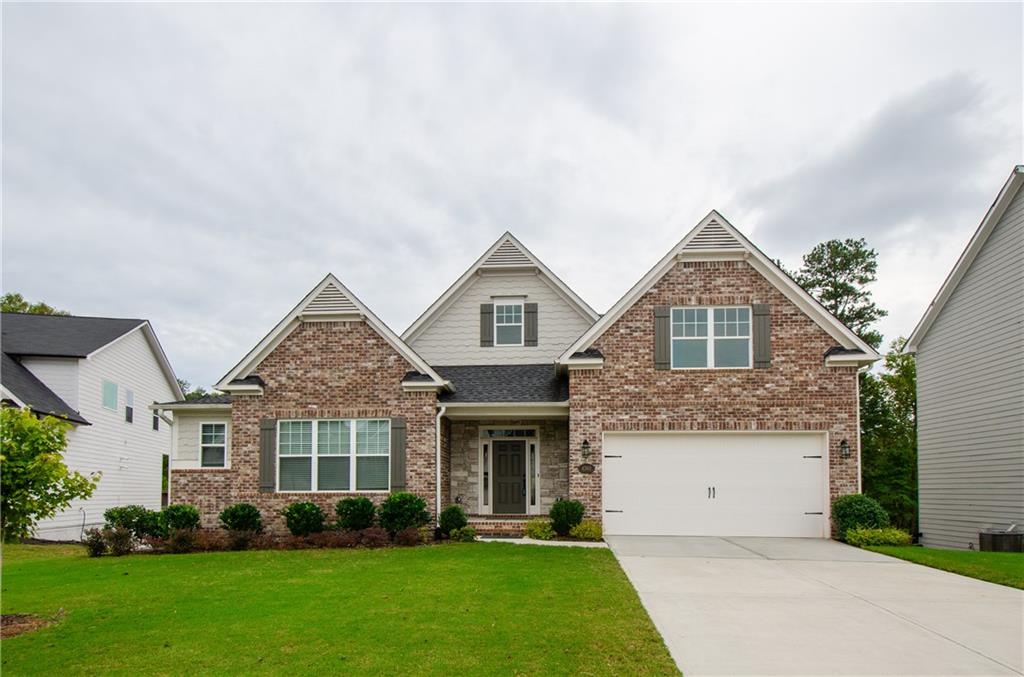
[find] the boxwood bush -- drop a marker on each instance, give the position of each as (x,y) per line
(862,536)
(303,518)
(402,510)
(179,516)
(356,513)
(539,529)
(453,517)
(857,510)
(140,521)
(587,530)
(241,517)
(463,535)
(565,515)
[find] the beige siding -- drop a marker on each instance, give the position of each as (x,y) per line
(60,374)
(454,336)
(186,430)
(971,397)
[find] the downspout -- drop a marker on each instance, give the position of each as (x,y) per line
(437,465)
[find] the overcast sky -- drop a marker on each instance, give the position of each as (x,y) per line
(203,166)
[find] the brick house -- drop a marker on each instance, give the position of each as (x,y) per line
(715,398)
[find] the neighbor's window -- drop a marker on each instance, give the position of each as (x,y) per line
(156,421)
(110,395)
(129,405)
(212,445)
(710,337)
(343,461)
(508,324)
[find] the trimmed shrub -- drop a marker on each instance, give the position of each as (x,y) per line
(181,541)
(463,535)
(141,521)
(355,513)
(407,537)
(452,517)
(402,510)
(303,518)
(119,541)
(327,539)
(94,543)
(862,536)
(241,540)
(374,537)
(858,510)
(210,540)
(241,517)
(180,516)
(539,529)
(565,515)
(587,530)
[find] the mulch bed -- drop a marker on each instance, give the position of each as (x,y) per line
(18,624)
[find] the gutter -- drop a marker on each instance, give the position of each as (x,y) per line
(437,465)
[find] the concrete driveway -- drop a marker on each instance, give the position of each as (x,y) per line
(790,606)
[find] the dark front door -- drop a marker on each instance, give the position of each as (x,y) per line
(509,477)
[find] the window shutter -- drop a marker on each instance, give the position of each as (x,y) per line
(761,333)
(398,454)
(529,324)
(268,454)
(662,340)
(486,325)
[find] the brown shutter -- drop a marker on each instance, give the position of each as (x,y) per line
(529,324)
(662,340)
(268,454)
(486,325)
(398,454)
(761,332)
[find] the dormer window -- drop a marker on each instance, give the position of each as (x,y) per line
(508,324)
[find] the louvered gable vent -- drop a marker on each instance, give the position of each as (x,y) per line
(712,236)
(330,301)
(507,254)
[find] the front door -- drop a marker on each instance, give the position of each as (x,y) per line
(509,477)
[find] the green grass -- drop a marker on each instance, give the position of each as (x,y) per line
(483,608)
(1005,568)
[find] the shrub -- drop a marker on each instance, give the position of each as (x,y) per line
(374,537)
(241,517)
(402,510)
(539,529)
(349,539)
(209,540)
(587,530)
(355,513)
(180,541)
(565,515)
(241,540)
(94,543)
(452,517)
(119,541)
(141,521)
(327,539)
(463,535)
(303,518)
(178,517)
(858,510)
(862,536)
(410,536)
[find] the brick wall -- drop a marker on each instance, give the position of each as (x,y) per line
(798,392)
(321,370)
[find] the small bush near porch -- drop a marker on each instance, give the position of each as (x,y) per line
(481,608)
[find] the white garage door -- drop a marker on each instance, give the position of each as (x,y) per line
(715,484)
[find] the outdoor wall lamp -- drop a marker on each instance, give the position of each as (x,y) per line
(585,449)
(844,449)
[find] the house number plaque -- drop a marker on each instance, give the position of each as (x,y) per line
(586,468)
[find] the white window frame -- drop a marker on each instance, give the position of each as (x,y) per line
(521,324)
(532,470)
(710,338)
(129,403)
(103,394)
(314,466)
(226,445)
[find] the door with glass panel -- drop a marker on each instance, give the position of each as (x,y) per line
(509,476)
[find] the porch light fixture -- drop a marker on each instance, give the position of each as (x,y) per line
(585,449)
(844,449)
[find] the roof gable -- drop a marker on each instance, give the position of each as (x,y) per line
(715,237)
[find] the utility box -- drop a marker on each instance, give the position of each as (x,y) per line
(997,540)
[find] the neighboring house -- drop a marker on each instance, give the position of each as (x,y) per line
(970,385)
(717,397)
(99,374)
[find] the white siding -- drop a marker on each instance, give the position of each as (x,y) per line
(128,454)
(970,368)
(186,430)
(454,336)
(60,374)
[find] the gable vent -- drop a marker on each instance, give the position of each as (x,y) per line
(713,236)
(331,300)
(507,254)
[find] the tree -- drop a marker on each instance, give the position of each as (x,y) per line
(16,303)
(190,392)
(34,482)
(837,273)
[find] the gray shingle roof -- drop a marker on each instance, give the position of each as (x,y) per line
(59,335)
(505,383)
(205,399)
(32,392)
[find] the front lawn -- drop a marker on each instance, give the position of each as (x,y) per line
(1005,568)
(482,608)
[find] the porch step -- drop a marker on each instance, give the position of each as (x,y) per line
(499,525)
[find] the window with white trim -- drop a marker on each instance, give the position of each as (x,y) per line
(110,395)
(508,324)
(129,405)
(213,445)
(711,337)
(334,455)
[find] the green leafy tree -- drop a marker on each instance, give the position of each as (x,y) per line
(190,392)
(34,482)
(837,273)
(16,303)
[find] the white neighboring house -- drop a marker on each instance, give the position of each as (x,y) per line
(100,374)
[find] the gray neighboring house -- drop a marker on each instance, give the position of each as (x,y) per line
(970,384)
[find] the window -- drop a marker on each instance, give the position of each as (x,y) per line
(334,455)
(508,324)
(711,337)
(110,395)
(156,422)
(212,445)
(129,405)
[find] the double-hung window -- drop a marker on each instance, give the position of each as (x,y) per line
(213,445)
(717,338)
(334,455)
(129,405)
(508,324)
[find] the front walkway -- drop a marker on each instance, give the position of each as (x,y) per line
(780,606)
